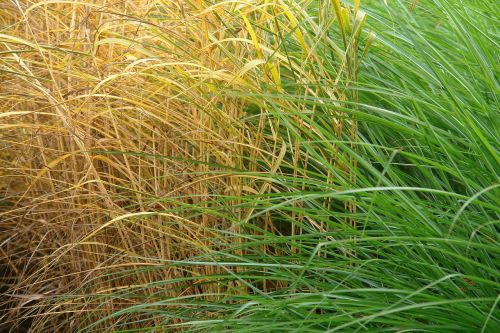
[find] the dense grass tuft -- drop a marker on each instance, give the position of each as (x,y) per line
(286,166)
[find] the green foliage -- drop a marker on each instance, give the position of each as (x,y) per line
(374,202)
(419,252)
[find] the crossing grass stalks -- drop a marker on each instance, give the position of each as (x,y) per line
(134,133)
(260,166)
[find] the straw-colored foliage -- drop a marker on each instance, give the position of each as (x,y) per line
(121,124)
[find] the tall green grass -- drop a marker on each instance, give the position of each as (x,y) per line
(419,252)
(387,225)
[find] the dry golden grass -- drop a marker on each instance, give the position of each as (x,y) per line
(116,114)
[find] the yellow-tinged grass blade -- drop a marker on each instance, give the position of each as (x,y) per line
(260,54)
(340,17)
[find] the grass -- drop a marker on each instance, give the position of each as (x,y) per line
(249,166)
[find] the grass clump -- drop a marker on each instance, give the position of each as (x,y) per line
(250,166)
